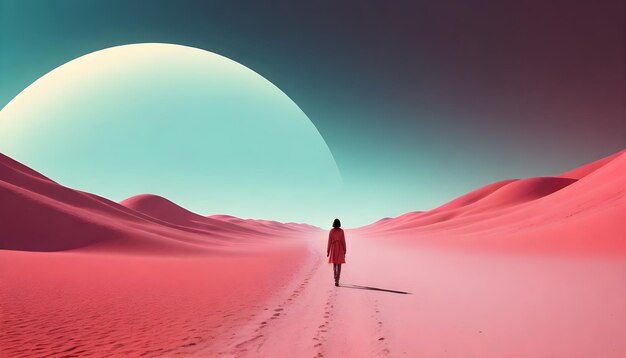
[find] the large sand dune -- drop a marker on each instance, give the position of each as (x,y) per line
(578,212)
(41,215)
(518,268)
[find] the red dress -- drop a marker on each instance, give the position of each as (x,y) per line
(336,248)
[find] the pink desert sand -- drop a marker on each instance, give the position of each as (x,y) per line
(519,268)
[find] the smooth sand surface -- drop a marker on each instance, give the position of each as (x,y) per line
(458,305)
(74,304)
(284,303)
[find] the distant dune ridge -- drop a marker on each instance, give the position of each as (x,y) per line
(38,214)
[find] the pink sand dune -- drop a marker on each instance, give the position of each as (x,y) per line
(519,268)
(71,219)
(513,214)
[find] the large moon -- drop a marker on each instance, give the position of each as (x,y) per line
(181,122)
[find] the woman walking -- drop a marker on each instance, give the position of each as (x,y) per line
(336,249)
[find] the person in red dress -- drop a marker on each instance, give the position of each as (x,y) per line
(336,249)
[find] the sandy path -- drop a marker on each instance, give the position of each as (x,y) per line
(311,317)
(460,305)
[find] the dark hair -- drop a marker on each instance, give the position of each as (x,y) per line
(336,223)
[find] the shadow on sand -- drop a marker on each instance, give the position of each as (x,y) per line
(373,289)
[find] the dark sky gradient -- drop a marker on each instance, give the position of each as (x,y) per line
(418,101)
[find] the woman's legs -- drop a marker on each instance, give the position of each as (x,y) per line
(338,272)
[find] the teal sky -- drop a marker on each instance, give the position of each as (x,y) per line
(418,102)
(184,123)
